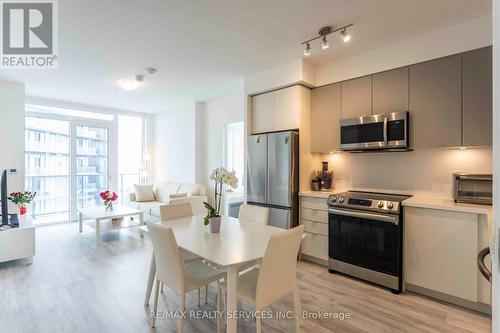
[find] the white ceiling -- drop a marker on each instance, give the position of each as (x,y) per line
(201,48)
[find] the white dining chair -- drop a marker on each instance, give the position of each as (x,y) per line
(173,273)
(274,279)
(177,211)
(253,213)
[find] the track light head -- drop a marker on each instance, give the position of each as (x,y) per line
(307,51)
(324,43)
(345,35)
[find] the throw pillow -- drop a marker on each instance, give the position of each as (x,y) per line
(144,193)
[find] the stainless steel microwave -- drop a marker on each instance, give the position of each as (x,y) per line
(381,131)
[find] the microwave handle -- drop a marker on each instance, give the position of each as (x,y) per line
(385,131)
(473,178)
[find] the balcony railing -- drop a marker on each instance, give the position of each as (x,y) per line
(126,183)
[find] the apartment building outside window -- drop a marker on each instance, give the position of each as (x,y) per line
(72,155)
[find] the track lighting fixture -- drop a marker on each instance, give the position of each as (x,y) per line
(322,33)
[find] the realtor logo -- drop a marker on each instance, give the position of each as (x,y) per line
(29,34)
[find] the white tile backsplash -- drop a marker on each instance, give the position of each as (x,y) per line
(425,171)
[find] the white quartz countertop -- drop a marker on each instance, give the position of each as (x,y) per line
(319,194)
(443,203)
(423,201)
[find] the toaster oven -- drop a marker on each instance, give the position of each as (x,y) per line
(473,188)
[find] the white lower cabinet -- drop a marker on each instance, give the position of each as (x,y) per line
(315,245)
(440,253)
(314,218)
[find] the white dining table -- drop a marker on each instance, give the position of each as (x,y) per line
(238,243)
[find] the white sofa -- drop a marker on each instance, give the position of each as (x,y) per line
(195,194)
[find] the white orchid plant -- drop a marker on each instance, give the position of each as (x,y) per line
(222,178)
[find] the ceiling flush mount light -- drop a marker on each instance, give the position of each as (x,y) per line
(137,81)
(322,33)
(131,84)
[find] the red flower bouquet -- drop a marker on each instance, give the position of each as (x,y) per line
(108,198)
(22,199)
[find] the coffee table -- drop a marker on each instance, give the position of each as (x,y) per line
(103,219)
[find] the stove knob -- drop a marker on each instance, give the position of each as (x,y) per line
(341,200)
(333,198)
(380,204)
(390,205)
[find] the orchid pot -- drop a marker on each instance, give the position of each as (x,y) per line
(222,178)
(214,223)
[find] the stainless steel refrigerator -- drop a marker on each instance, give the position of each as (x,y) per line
(272,176)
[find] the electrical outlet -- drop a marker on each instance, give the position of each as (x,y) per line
(13,171)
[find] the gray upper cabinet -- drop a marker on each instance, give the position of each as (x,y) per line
(436,103)
(325,118)
(477,98)
(390,91)
(357,97)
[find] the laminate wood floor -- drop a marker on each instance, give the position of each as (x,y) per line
(73,287)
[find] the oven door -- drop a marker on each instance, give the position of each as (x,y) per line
(367,132)
(365,239)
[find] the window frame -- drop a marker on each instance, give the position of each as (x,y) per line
(74,121)
(241,188)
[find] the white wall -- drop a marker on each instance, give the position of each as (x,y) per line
(174,152)
(296,71)
(424,171)
(215,114)
(12,97)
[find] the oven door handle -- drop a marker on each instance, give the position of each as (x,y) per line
(371,216)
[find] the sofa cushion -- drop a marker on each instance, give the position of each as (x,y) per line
(163,189)
(178,195)
(146,207)
(144,192)
(192,189)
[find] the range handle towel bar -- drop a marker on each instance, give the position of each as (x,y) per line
(480,263)
(394,219)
